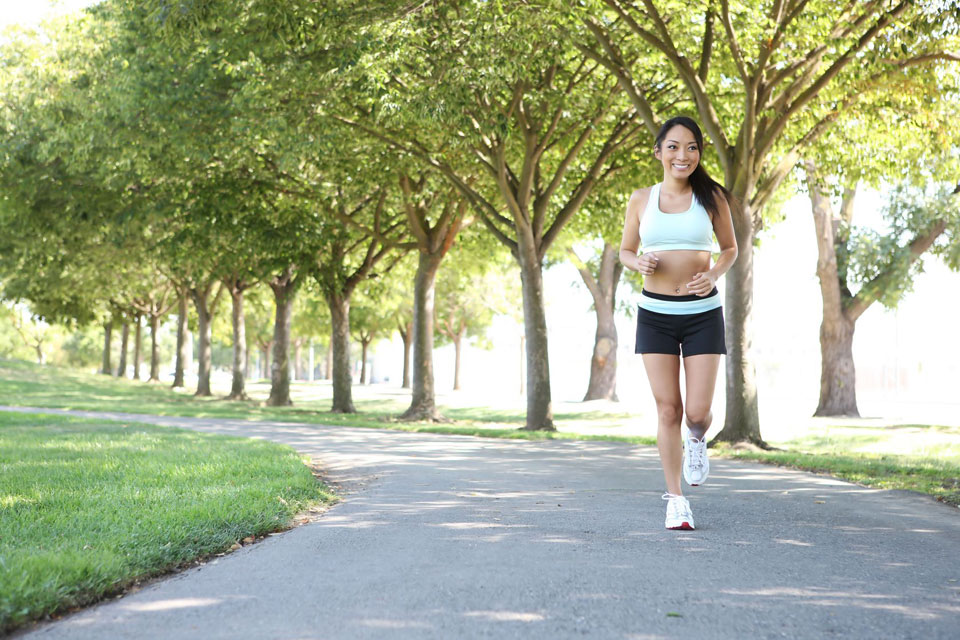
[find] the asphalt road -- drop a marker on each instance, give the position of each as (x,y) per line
(462,537)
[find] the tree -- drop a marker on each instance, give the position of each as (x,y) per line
(259,316)
(181,357)
(543,131)
(910,133)
(349,261)
(767,81)
(404,321)
(311,328)
(433,241)
(366,325)
(284,286)
(601,278)
(237,284)
(33,332)
(51,205)
(137,343)
(592,246)
(155,302)
(880,267)
(474,286)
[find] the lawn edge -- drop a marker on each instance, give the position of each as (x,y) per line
(133,584)
(947,501)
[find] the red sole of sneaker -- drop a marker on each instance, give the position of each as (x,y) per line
(685,526)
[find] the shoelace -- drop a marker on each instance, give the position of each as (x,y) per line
(681,505)
(695,452)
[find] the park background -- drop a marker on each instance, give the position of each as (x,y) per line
(907,356)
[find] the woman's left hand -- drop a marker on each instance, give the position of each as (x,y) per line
(702,284)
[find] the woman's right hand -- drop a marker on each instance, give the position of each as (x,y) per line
(647,263)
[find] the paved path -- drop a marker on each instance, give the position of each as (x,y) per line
(462,537)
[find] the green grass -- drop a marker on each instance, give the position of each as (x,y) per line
(26,384)
(88,507)
(923,458)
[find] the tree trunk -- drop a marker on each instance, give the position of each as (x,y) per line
(124,342)
(423,403)
(154,348)
(340,348)
(284,289)
(406,335)
(298,360)
(265,351)
(241,361)
(181,355)
(838,393)
(539,402)
(363,360)
(106,367)
(137,346)
(742,420)
(603,288)
(603,364)
(310,362)
(458,350)
(204,349)
(838,389)
(328,362)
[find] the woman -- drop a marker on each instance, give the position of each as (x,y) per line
(680,311)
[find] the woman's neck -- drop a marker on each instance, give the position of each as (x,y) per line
(674,185)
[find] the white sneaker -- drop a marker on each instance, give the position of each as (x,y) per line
(679,515)
(696,464)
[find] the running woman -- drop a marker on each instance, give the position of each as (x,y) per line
(680,310)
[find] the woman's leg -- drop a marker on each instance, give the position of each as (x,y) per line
(663,372)
(701,378)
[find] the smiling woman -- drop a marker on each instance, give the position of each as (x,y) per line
(668,237)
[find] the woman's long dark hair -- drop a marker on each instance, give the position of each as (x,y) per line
(704,187)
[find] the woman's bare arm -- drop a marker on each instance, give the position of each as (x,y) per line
(630,242)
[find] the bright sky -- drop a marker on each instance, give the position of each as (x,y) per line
(30,12)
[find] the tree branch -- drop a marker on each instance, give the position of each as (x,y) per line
(732,41)
(862,301)
(618,67)
(814,89)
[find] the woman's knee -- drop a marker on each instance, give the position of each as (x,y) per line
(669,413)
(699,416)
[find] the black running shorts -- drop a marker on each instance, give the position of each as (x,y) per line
(693,334)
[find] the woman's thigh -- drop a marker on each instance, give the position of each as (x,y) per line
(663,372)
(700,373)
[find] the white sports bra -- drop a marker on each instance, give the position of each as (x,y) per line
(661,231)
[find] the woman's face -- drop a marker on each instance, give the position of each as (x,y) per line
(679,153)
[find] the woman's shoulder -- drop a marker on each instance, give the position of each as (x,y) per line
(642,194)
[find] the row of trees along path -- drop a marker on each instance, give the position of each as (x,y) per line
(287,143)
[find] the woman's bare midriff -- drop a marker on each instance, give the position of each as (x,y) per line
(675,269)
